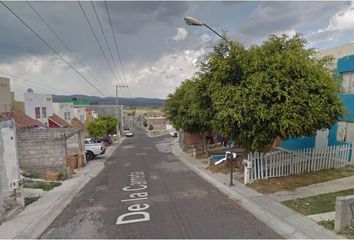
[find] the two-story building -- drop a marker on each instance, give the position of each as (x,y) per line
(38,106)
(65,110)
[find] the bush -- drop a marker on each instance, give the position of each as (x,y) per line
(151,127)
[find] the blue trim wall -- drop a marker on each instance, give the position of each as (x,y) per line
(345,64)
(299,143)
(309,141)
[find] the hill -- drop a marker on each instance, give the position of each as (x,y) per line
(129,102)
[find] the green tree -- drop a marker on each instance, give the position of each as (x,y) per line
(102,126)
(190,109)
(284,91)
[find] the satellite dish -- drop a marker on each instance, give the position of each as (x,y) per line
(30,90)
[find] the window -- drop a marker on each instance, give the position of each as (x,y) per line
(37,110)
(68,114)
(65,116)
(44,112)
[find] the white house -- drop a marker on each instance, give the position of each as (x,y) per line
(65,110)
(38,106)
(80,113)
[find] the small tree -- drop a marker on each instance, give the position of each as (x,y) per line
(102,126)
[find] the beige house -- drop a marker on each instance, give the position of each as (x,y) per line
(5,96)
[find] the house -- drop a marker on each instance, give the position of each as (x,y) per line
(55,121)
(157,122)
(89,115)
(5,96)
(337,52)
(38,106)
(64,110)
(21,119)
(79,113)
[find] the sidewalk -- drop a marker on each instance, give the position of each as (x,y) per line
(315,189)
(284,221)
(37,217)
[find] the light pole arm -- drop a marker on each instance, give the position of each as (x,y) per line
(222,37)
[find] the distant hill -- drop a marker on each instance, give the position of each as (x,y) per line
(129,102)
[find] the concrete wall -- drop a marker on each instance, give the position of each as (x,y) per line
(43,150)
(33,100)
(5,97)
(9,168)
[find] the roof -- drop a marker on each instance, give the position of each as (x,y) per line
(59,121)
(76,122)
(21,119)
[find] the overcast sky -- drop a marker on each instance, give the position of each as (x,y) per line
(157,50)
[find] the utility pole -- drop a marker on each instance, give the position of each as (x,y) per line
(118,132)
(119,86)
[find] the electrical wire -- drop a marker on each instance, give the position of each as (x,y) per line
(98,42)
(116,46)
(40,85)
(50,47)
(64,44)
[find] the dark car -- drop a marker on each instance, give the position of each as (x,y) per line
(106,140)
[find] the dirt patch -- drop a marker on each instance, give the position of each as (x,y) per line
(154,133)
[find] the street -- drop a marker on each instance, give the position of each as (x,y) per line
(144,191)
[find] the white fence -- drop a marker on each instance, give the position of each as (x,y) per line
(283,162)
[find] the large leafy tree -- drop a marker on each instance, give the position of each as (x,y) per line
(190,108)
(283,91)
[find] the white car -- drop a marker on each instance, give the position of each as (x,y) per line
(93,149)
(129,134)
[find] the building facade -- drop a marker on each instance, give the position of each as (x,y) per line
(5,96)
(38,106)
(65,110)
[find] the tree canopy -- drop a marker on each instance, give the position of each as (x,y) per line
(278,88)
(102,126)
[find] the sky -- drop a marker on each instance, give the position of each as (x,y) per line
(156,49)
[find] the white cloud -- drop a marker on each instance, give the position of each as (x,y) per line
(342,21)
(182,33)
(162,77)
(47,74)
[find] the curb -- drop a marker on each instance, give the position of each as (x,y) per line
(248,198)
(34,226)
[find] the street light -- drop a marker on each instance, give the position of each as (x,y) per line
(194,22)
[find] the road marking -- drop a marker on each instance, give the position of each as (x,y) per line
(147,148)
(137,211)
(140,154)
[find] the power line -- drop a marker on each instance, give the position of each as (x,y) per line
(116,45)
(49,46)
(105,38)
(63,42)
(96,38)
(40,85)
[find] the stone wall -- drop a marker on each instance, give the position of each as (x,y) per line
(44,150)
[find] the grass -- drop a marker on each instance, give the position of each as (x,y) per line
(347,231)
(30,200)
(290,183)
(45,186)
(317,204)
(328,224)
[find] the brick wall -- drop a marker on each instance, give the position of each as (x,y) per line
(43,150)
(189,140)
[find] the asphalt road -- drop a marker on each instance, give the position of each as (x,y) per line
(146,192)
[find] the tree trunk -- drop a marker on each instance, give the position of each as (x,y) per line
(204,141)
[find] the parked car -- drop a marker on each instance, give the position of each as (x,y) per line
(93,149)
(107,140)
(173,133)
(129,134)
